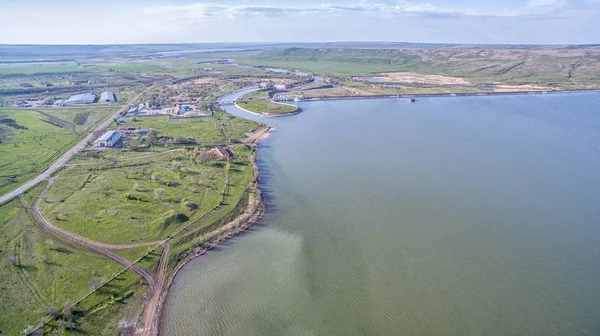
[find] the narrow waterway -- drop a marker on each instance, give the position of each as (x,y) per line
(451,216)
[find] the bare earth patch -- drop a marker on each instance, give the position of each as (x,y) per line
(411,77)
(514,88)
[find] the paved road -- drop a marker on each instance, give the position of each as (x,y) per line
(66,157)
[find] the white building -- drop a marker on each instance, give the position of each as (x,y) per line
(108,139)
(107,97)
(86,98)
(280,87)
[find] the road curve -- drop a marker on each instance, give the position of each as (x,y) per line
(35,210)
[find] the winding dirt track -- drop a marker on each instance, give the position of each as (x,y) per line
(154,282)
(72,236)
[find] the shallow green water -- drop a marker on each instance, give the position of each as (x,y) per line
(451,216)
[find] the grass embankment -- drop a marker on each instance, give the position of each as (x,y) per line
(39,276)
(259,102)
(31,140)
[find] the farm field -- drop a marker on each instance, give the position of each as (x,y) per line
(31,140)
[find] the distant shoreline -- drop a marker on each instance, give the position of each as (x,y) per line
(461,94)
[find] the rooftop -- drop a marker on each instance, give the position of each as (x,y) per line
(107,95)
(109,135)
(83,97)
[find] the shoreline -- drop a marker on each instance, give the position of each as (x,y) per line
(460,94)
(409,96)
(271,115)
(255,210)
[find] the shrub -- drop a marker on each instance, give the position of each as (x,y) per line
(189,205)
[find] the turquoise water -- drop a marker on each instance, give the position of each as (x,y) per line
(451,216)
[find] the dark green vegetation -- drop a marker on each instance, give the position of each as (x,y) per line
(260,102)
(40,275)
(565,68)
(31,140)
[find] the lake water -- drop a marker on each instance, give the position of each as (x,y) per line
(451,216)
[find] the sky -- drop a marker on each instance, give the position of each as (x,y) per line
(193,21)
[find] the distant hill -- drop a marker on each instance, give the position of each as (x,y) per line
(553,66)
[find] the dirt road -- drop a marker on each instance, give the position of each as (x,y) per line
(155,282)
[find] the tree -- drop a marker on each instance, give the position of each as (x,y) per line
(152,136)
(52,311)
(181,140)
(206,156)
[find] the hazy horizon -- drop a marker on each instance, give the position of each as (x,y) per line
(229,21)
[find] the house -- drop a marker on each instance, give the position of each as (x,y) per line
(107,97)
(108,139)
(264,85)
(280,87)
(86,98)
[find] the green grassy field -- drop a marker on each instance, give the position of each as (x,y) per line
(118,196)
(84,118)
(24,153)
(124,196)
(39,275)
(259,102)
(31,140)
(40,68)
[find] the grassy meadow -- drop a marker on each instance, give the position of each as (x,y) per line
(39,276)
(147,191)
(31,140)
(30,143)
(259,102)
(85,119)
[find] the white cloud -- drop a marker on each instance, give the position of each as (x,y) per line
(212,10)
(205,10)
